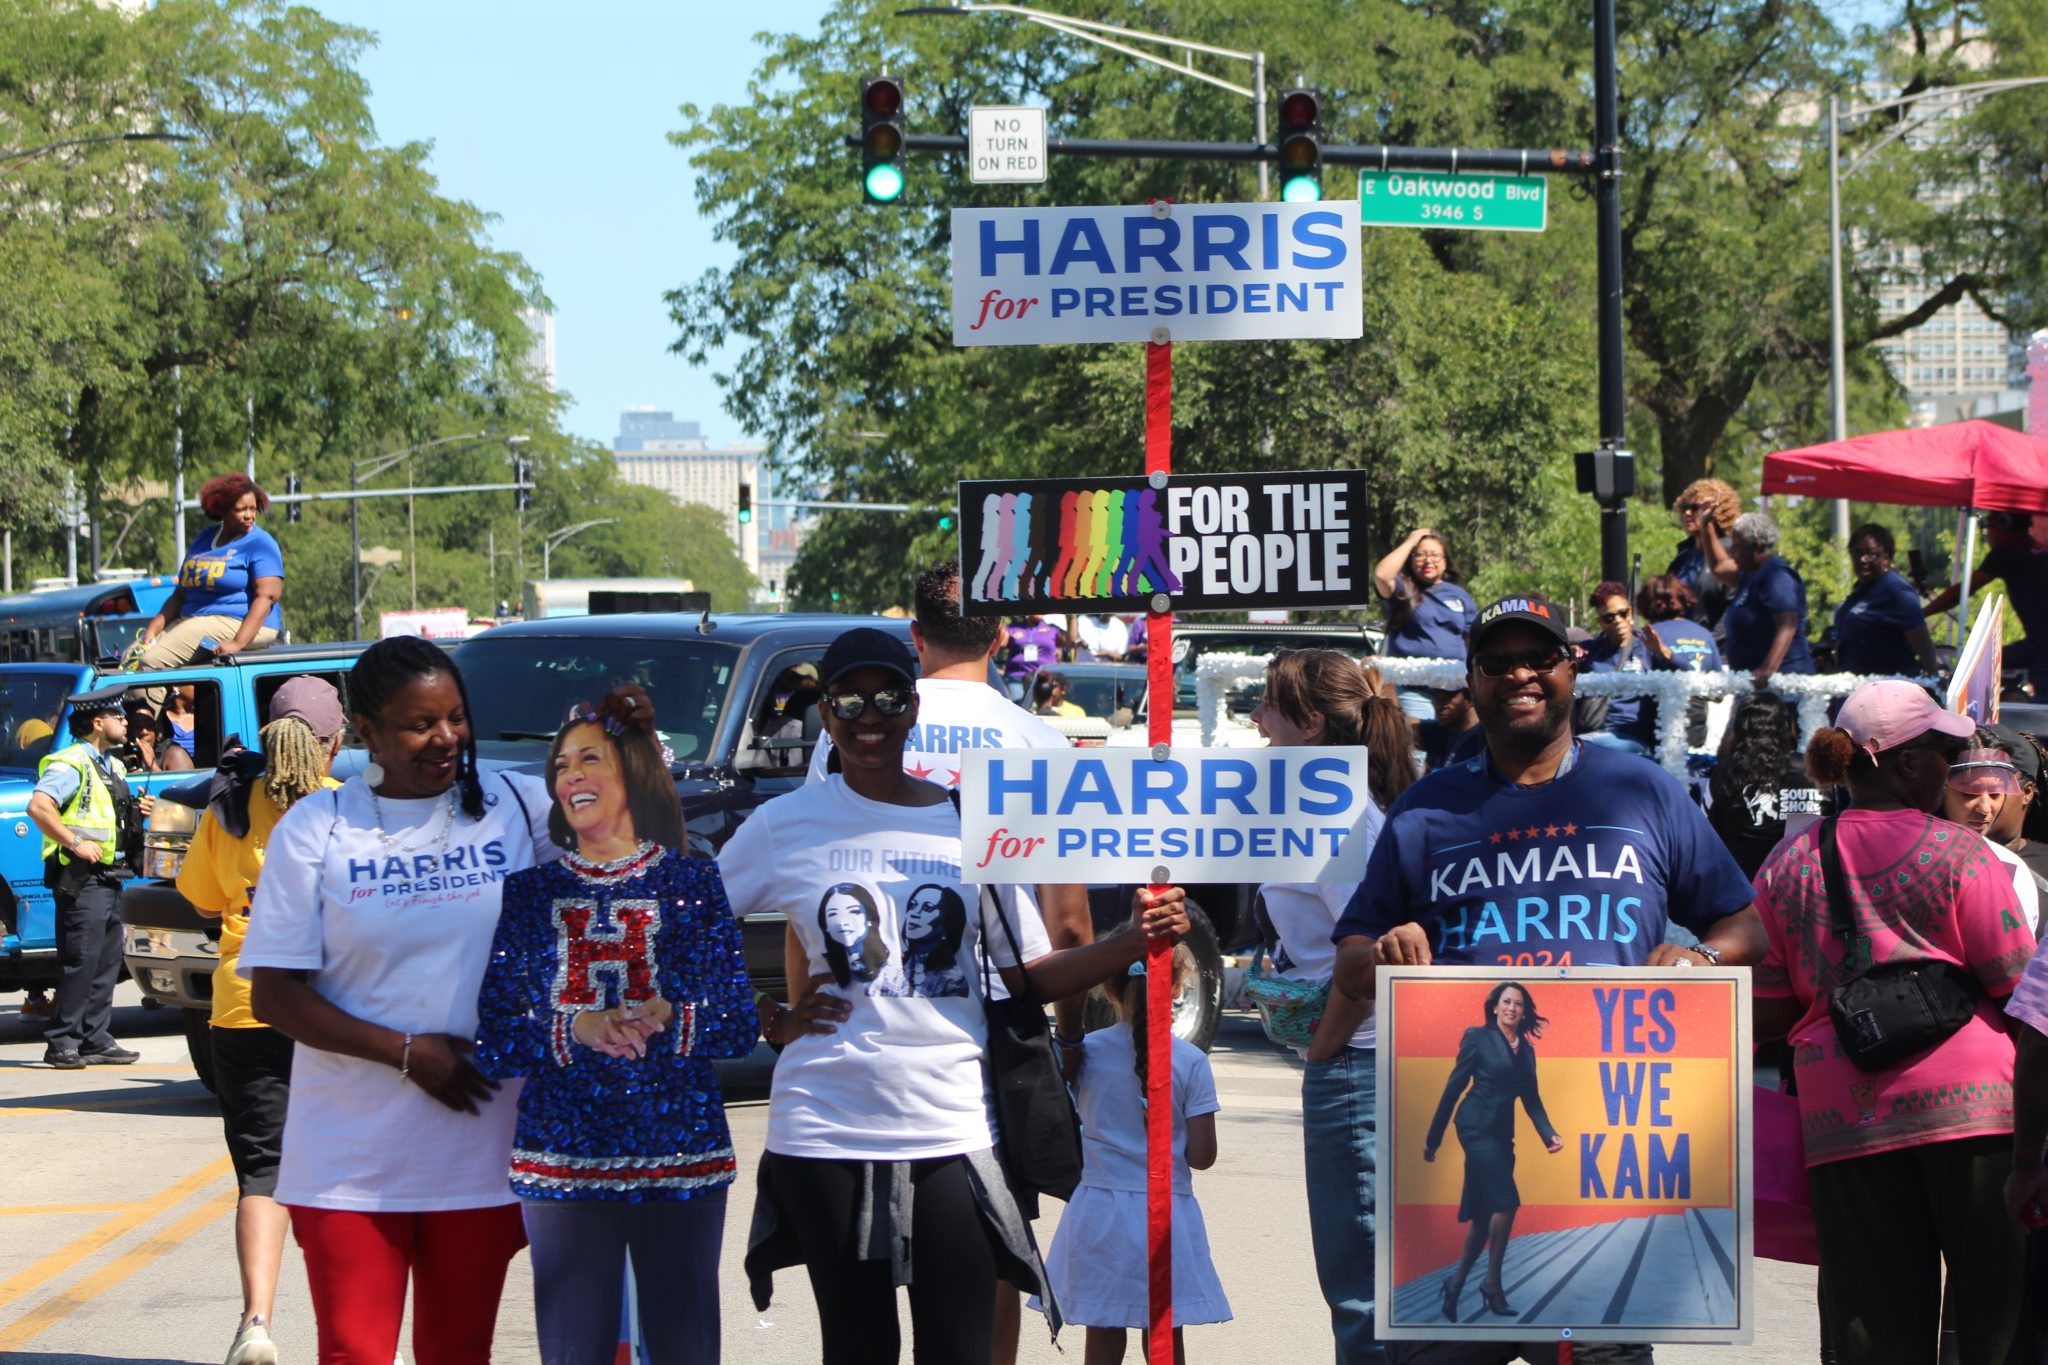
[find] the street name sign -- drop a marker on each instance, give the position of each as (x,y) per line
(1205,815)
(1210,542)
(1481,203)
(1006,144)
(1197,272)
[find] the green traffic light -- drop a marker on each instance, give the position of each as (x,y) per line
(884,182)
(746,515)
(945,523)
(1302,189)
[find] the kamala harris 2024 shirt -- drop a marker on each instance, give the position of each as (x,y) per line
(1584,870)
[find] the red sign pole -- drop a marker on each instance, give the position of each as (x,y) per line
(1159,953)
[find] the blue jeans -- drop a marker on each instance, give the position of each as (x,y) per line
(1339,1130)
(579,1274)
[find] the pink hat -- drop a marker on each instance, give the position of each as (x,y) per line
(1883,715)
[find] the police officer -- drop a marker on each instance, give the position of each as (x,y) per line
(91,826)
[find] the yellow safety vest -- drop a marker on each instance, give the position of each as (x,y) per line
(90,814)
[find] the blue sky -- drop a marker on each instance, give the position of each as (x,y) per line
(557,121)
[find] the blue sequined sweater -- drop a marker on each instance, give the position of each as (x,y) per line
(577,936)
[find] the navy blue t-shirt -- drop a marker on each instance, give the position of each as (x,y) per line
(1581,871)
(1631,717)
(1692,645)
(1437,628)
(2025,572)
(1871,626)
(1747,629)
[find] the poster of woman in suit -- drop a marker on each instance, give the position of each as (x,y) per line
(1496,1067)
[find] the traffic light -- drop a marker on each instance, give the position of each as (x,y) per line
(945,521)
(522,474)
(1301,146)
(293,510)
(881,139)
(746,503)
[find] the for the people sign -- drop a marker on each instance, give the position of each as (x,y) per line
(1210,542)
(1204,815)
(1612,1135)
(1005,144)
(1203,272)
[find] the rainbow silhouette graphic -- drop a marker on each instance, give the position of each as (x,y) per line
(1088,544)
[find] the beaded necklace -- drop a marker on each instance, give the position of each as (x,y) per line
(398,845)
(618,869)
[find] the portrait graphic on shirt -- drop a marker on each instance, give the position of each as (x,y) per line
(851,923)
(928,963)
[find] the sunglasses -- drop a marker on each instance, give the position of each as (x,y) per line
(889,701)
(1499,663)
(1608,618)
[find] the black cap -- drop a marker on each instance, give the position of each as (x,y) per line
(2025,756)
(99,699)
(867,647)
(1529,609)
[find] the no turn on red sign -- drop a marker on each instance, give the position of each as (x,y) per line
(1006,145)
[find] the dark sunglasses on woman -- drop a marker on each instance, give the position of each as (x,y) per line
(889,701)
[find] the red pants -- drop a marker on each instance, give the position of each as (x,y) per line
(358,1263)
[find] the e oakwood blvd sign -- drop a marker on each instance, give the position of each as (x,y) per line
(1202,272)
(1485,203)
(1210,542)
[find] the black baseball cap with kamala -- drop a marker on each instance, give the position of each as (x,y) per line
(866,647)
(1527,609)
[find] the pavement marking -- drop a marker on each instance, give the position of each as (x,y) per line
(60,1306)
(25,1210)
(65,1257)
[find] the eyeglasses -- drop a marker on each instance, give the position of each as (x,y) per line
(889,701)
(1499,663)
(1870,552)
(1608,618)
(1421,558)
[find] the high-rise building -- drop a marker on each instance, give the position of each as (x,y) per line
(655,450)
(540,352)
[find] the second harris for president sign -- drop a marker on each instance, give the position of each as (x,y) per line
(1204,272)
(1204,815)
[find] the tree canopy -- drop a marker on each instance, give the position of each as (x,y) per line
(1475,379)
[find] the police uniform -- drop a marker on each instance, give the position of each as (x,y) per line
(94,802)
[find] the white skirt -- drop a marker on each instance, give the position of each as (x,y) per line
(1097,1263)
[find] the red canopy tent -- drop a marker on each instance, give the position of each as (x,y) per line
(1959,464)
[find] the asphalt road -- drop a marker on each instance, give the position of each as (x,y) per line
(116,1240)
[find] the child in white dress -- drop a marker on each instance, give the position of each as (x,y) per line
(1097,1263)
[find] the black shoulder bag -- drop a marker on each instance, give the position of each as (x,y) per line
(1038,1135)
(1888,1011)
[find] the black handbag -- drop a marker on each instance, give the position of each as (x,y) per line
(1038,1134)
(1888,1011)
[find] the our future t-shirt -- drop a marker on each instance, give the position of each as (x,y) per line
(1871,626)
(1921,890)
(1748,628)
(218,580)
(874,893)
(1583,870)
(390,907)
(1692,645)
(1436,628)
(1302,915)
(1113,1120)
(953,715)
(1032,647)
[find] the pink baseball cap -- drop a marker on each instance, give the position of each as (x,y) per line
(1885,714)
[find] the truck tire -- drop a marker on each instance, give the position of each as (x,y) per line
(1200,1008)
(199,1044)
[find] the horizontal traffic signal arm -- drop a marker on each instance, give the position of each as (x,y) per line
(1517,161)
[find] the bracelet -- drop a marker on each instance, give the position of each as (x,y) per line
(405,1058)
(1070,1044)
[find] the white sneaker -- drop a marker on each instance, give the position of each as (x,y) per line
(253,1345)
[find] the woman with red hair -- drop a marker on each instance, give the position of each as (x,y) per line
(228,585)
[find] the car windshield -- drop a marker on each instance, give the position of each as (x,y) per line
(1101,693)
(521,687)
(29,705)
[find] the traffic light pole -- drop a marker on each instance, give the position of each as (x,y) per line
(1614,562)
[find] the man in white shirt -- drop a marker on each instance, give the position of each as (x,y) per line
(1102,637)
(958,709)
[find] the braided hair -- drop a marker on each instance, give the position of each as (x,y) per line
(294,761)
(387,667)
(1127,994)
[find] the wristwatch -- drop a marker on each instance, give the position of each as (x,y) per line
(1707,951)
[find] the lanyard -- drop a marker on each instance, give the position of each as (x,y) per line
(1571,760)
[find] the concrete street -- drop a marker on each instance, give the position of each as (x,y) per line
(117,1240)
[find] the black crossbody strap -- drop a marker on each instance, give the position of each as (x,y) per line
(1835,883)
(988,901)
